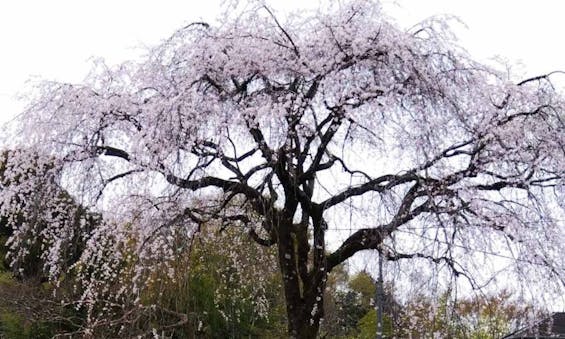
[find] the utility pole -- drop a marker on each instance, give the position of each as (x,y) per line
(379,299)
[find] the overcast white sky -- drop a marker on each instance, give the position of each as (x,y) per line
(56,40)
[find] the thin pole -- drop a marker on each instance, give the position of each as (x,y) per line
(379,299)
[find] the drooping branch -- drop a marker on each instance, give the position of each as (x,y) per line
(261,241)
(325,139)
(539,77)
(294,47)
(115,178)
(209,181)
(259,139)
(449,261)
(497,186)
(371,238)
(379,184)
(112,152)
(226,185)
(316,133)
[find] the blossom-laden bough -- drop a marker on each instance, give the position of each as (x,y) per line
(290,129)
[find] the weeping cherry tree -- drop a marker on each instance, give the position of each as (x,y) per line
(291,129)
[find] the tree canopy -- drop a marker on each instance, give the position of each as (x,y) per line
(290,129)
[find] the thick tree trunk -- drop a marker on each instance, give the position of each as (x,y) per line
(304,317)
(303,288)
(300,327)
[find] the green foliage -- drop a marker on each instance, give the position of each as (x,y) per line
(476,317)
(28,309)
(347,302)
(14,326)
(490,316)
(364,285)
(367,326)
(479,317)
(5,278)
(227,285)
